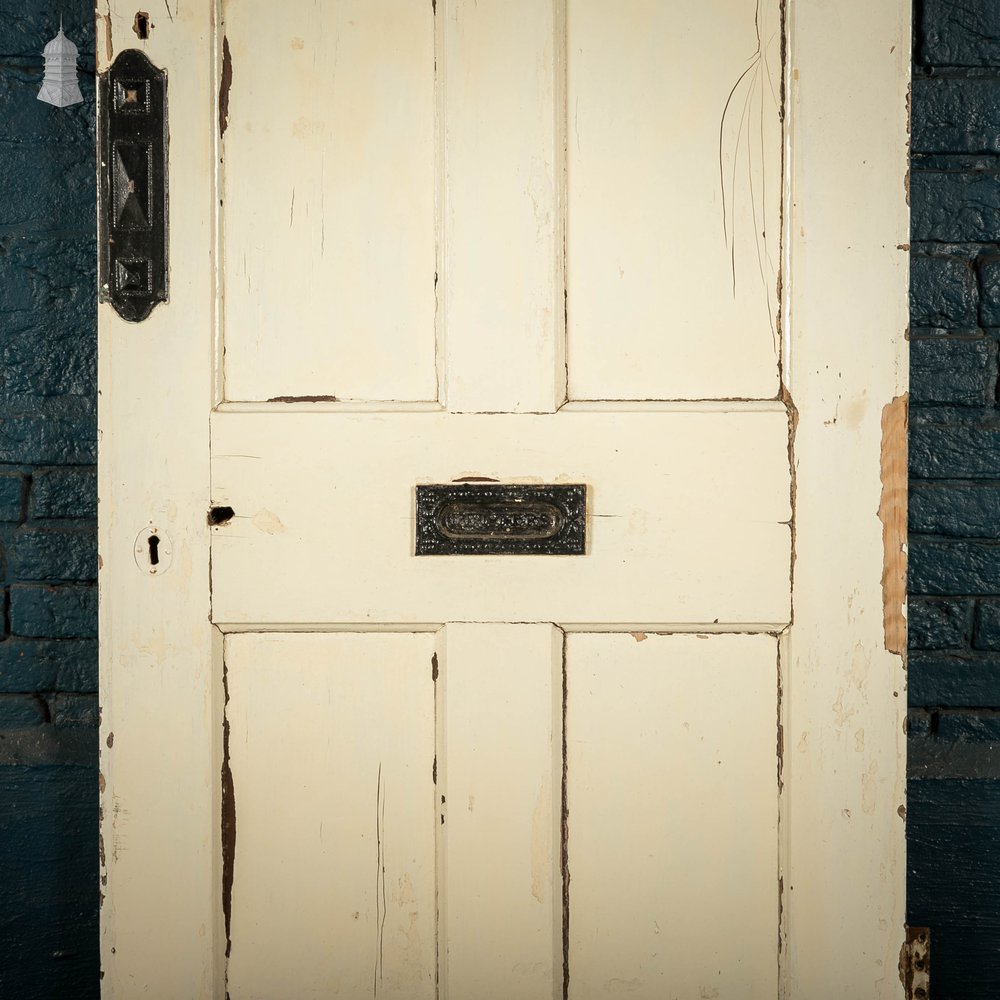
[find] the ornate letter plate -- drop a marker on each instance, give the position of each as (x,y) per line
(483,519)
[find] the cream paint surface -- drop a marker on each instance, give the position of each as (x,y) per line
(671,758)
(334,875)
(689,511)
(673,199)
(694,530)
(328,187)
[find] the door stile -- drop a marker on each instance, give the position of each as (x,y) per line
(500,761)
(845,276)
(160,663)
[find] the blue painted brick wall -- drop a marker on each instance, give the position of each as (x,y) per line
(49,889)
(954,661)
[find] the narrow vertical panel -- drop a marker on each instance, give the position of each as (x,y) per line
(501,928)
(503,278)
(328,201)
(331,748)
(674,182)
(672,797)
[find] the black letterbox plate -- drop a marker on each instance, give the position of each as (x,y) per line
(481,519)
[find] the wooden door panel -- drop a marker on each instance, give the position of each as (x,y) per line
(331,751)
(327,190)
(673,199)
(688,517)
(671,756)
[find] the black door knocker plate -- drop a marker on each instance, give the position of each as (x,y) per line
(493,519)
(133,156)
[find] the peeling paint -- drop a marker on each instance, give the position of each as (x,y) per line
(228,821)
(104,21)
(284,399)
(225,82)
(892,513)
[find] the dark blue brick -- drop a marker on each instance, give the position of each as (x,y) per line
(11,496)
(953,206)
(989,271)
(939,624)
(48,665)
(50,881)
(987,630)
(18,710)
(74,710)
(61,493)
(958,370)
(954,882)
(48,289)
(52,554)
(963,510)
(940,679)
(48,188)
(952,449)
(958,33)
(956,115)
(943,291)
(66,612)
(48,440)
(946,568)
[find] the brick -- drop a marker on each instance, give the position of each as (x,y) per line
(31,439)
(17,710)
(958,370)
(958,33)
(989,271)
(954,450)
(939,624)
(956,115)
(954,206)
(943,291)
(61,493)
(946,568)
(53,361)
(943,680)
(74,710)
(49,872)
(11,496)
(48,665)
(66,612)
(49,188)
(47,286)
(47,554)
(962,510)
(987,627)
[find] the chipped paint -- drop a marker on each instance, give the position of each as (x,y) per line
(225,82)
(892,513)
(228,821)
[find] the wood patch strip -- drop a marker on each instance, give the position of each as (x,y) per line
(892,513)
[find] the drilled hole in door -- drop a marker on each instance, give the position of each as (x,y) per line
(141,25)
(220,515)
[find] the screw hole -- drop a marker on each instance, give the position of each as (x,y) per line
(220,515)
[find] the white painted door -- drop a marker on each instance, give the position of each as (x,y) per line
(523,243)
